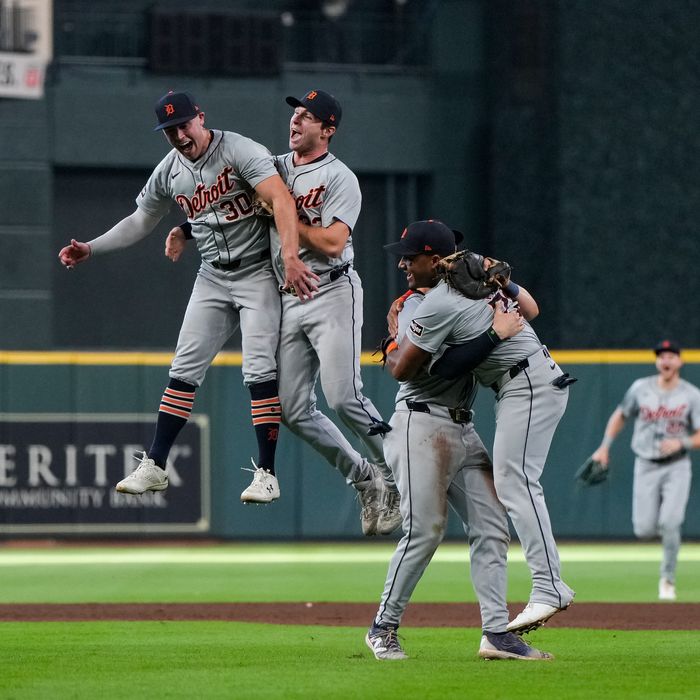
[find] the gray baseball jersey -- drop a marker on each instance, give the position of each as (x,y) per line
(661,485)
(324,191)
(321,338)
(437,461)
(216,194)
(528,409)
(451,319)
(660,414)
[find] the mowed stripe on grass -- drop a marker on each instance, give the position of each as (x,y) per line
(307,553)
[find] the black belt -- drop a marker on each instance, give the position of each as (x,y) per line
(458,415)
(333,275)
(516,369)
(339,271)
(669,458)
(241,262)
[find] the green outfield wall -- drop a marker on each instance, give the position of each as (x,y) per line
(50,474)
(555,137)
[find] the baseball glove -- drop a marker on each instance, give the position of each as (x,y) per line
(386,345)
(591,472)
(464,272)
(261,207)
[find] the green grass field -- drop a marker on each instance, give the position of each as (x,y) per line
(243,660)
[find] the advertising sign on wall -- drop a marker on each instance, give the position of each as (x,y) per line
(26,47)
(58,472)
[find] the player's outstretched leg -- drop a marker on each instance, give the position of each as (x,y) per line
(267,416)
(173,413)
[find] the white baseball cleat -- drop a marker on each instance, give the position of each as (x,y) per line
(384,643)
(534,615)
(263,489)
(370,493)
(667,590)
(147,476)
(389,514)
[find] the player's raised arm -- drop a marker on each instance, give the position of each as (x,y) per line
(273,191)
(526,302)
(128,231)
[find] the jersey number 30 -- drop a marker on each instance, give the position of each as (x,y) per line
(240,205)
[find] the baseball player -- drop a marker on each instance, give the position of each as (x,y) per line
(322,338)
(438,458)
(531,396)
(666,412)
(213,175)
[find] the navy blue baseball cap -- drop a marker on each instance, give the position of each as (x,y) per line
(321,104)
(175,108)
(667,346)
(429,236)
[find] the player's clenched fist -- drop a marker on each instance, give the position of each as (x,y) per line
(74,253)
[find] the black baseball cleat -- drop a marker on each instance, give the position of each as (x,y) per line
(509,646)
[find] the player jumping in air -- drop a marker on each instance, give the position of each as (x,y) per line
(213,175)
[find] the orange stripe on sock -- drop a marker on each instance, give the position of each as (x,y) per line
(174,411)
(272,410)
(181,394)
(264,402)
(266,419)
(176,402)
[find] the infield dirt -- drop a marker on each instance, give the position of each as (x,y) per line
(621,616)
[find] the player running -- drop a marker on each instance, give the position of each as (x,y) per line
(213,176)
(666,412)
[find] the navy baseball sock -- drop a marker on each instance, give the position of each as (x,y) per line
(267,415)
(173,413)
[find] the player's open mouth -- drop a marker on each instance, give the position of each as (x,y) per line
(186,146)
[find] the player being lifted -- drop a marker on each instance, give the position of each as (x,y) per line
(322,338)
(213,175)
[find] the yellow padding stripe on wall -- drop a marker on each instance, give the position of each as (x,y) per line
(103,358)
(575,357)
(595,357)
(616,357)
